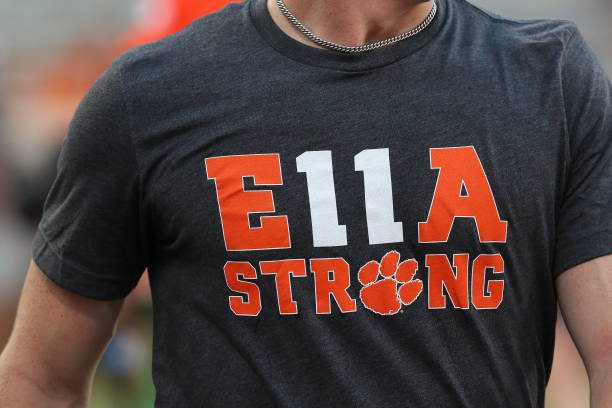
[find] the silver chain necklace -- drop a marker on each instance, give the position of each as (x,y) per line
(360,48)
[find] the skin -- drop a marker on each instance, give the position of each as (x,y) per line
(585,296)
(351,22)
(56,344)
(59,337)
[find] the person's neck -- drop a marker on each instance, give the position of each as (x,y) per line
(351,22)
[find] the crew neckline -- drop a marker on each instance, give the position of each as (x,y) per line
(363,61)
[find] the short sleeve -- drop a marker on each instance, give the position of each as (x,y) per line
(584,229)
(90,237)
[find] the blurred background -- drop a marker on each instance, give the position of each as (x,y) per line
(50,54)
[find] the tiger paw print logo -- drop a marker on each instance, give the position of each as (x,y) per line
(389,284)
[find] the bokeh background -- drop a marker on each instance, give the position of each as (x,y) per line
(51,51)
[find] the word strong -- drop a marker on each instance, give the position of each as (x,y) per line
(462,190)
(387,285)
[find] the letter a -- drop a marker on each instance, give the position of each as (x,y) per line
(462,190)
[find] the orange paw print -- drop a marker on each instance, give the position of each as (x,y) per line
(382,295)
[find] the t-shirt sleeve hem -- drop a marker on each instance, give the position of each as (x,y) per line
(584,253)
(72,278)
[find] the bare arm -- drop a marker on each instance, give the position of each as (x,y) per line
(585,297)
(55,346)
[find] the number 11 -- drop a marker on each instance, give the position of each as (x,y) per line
(376,168)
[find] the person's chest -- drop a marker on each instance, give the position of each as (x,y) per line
(452,169)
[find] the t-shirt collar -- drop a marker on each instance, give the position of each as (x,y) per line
(269,30)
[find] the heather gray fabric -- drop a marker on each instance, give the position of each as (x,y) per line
(135,189)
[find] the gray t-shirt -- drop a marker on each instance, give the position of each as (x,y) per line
(381,229)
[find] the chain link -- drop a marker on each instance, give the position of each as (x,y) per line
(361,48)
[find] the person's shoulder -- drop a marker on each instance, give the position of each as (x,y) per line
(203,40)
(519,34)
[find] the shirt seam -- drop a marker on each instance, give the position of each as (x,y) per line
(132,144)
(569,158)
(130,127)
(500,19)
